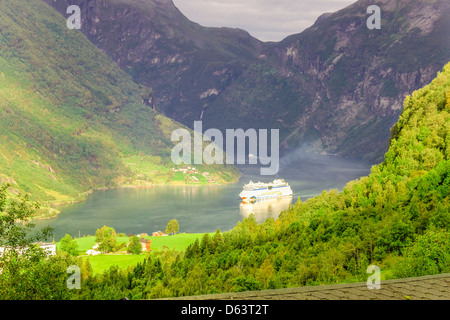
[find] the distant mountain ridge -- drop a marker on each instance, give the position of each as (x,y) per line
(336,86)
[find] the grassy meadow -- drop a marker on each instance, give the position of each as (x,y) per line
(122,259)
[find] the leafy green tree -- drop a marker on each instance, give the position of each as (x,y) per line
(246,283)
(172,227)
(69,245)
(430,254)
(15,227)
(107,239)
(266,272)
(135,246)
(30,275)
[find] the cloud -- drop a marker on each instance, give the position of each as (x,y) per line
(267,20)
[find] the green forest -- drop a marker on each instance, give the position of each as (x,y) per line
(396,218)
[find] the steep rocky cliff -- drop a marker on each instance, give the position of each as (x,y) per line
(336,87)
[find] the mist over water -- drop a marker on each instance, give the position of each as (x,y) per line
(203,208)
(314,172)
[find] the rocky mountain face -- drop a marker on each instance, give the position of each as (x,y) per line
(336,87)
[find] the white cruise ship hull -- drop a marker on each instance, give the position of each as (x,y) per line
(266,193)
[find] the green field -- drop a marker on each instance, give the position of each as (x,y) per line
(123,260)
(178,176)
(102,262)
(177,242)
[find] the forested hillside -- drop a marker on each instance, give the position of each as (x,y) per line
(70,120)
(397,218)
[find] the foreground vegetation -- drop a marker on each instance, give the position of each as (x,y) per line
(397,218)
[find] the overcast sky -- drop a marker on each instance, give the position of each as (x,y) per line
(267,20)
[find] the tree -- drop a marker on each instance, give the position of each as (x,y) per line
(30,275)
(86,269)
(205,245)
(69,245)
(430,254)
(135,246)
(15,227)
(172,227)
(265,272)
(28,278)
(107,239)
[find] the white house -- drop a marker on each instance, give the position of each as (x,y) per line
(92,252)
(49,249)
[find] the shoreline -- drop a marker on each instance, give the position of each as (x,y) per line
(53,206)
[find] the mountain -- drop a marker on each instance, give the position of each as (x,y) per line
(70,120)
(335,87)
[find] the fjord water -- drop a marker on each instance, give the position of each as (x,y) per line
(202,208)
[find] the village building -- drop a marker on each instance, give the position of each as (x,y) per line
(143,235)
(92,252)
(145,244)
(49,249)
(159,234)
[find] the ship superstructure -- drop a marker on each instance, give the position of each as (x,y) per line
(261,190)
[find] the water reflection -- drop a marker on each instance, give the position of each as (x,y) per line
(182,191)
(193,191)
(265,208)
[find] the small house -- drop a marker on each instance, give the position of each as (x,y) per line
(143,235)
(92,252)
(49,248)
(145,243)
(159,234)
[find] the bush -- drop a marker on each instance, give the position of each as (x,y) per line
(135,246)
(69,245)
(430,254)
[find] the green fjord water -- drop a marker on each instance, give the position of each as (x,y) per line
(202,208)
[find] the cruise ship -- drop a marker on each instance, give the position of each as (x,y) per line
(255,191)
